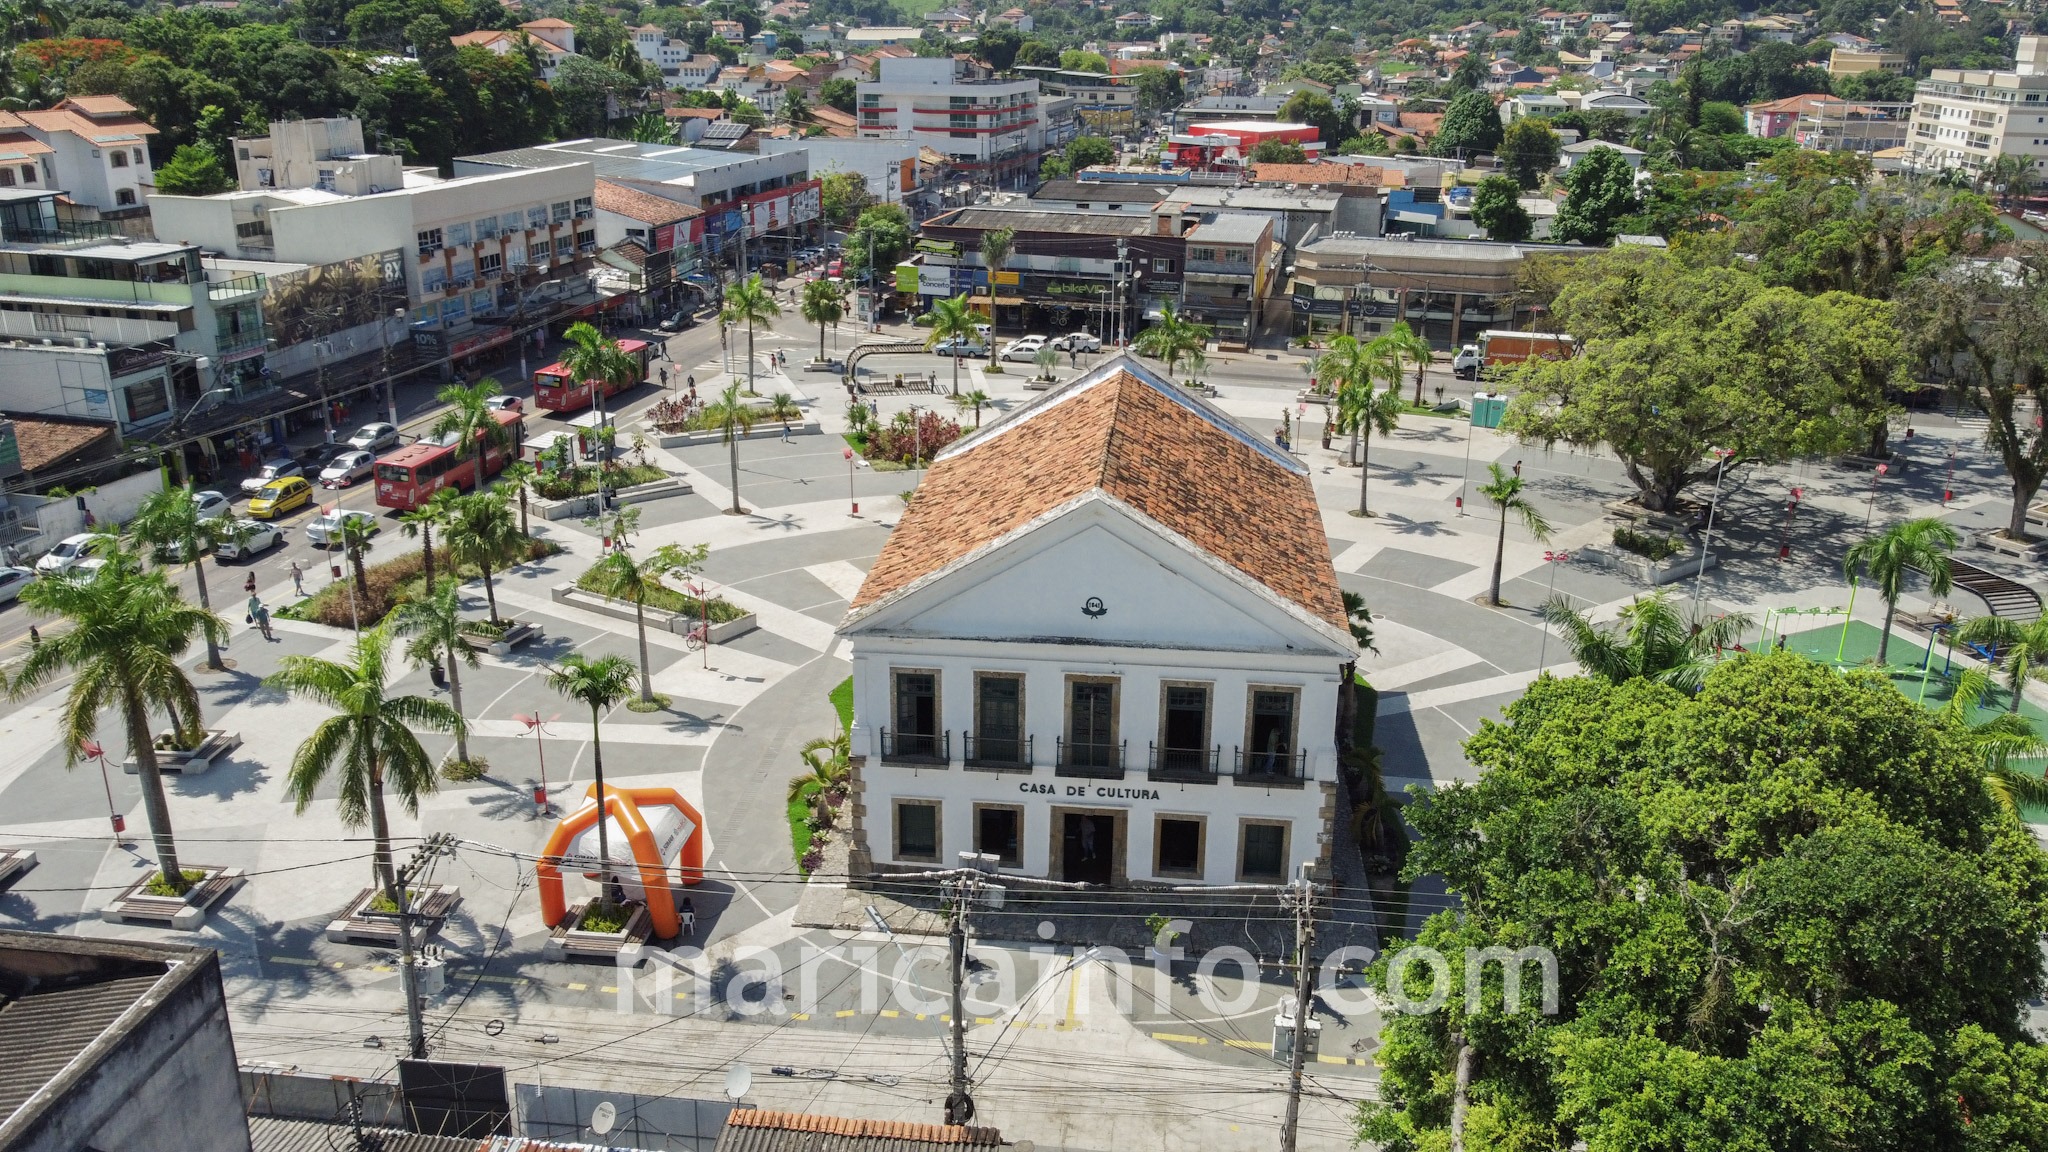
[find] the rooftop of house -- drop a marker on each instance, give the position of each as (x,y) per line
(1123,431)
(616,159)
(645,207)
(757,1130)
(1102,191)
(1369,175)
(1230,228)
(46,441)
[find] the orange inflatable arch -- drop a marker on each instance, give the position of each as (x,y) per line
(624,805)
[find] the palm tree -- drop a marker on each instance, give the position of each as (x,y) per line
(1403,344)
(471,422)
(1359,618)
(1171,339)
(1505,491)
(734,418)
(782,406)
(355,540)
(599,683)
(595,360)
(621,577)
(129,627)
(372,740)
(1648,641)
(1916,545)
(951,320)
(650,128)
(1363,410)
(2021,649)
(169,522)
(824,303)
(420,522)
(751,303)
(827,763)
(517,475)
(480,532)
(973,402)
(996,246)
(437,628)
(1998,741)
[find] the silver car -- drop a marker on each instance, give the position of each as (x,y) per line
(12,581)
(325,530)
(347,468)
(374,437)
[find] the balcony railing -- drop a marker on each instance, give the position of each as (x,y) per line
(997,753)
(916,747)
(1104,761)
(1188,765)
(1269,769)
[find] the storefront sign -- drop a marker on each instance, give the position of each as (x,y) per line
(1063,288)
(1087,791)
(934,281)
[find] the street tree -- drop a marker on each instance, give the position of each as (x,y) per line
(517,478)
(128,630)
(422,521)
(1746,900)
(1363,409)
(973,402)
(1915,546)
(480,531)
(622,577)
(440,639)
(595,361)
(1600,191)
(1528,151)
(1649,640)
(599,683)
(1504,492)
(952,319)
(1171,338)
(2019,649)
(749,302)
(355,537)
(824,303)
(843,196)
(1497,207)
(996,246)
(372,741)
(879,240)
(734,418)
(471,422)
(1470,127)
(169,523)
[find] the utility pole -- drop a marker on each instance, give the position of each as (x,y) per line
(408,972)
(1304,935)
(959,1104)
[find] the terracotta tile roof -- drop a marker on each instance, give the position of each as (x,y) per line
(15,145)
(832,117)
(645,207)
(1125,432)
(99,105)
(1422,123)
(756,1125)
(1370,175)
(45,443)
(547,22)
(678,112)
(98,129)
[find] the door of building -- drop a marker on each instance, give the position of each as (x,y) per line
(1088,846)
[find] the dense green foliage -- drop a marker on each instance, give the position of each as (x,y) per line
(1784,911)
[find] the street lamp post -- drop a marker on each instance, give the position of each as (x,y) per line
(850,497)
(538,727)
(1699,579)
(1785,532)
(93,749)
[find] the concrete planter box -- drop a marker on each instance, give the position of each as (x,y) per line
(134,906)
(2030,550)
(766,430)
(659,619)
(358,925)
(1674,523)
(569,941)
(1678,566)
(516,633)
(14,863)
(217,744)
(582,507)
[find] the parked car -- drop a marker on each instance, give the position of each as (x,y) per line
(249,539)
(281,496)
(1025,348)
(69,553)
(374,437)
(959,346)
(12,581)
(325,530)
(212,505)
(1078,342)
(347,468)
(273,470)
(681,321)
(503,403)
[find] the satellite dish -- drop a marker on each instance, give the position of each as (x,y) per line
(603,1117)
(738,1079)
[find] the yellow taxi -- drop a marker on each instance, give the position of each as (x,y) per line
(280,496)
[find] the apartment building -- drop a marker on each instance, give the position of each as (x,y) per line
(1855,62)
(988,128)
(1965,119)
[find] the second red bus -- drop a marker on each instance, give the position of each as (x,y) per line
(409,476)
(555,390)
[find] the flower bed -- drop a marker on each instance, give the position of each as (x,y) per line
(671,600)
(904,442)
(395,581)
(1655,548)
(584,481)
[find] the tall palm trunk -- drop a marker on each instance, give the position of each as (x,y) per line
(1884,638)
(1419,368)
(525,529)
(821,340)
(1460,1093)
(479,447)
(1364,467)
(640,622)
(380,834)
(1500,547)
(158,808)
(455,695)
(199,577)
(490,592)
(604,844)
(2018,672)
(1356,447)
(427,553)
(355,561)
(751,390)
(956,372)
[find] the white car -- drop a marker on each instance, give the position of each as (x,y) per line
(12,581)
(212,505)
(1024,349)
(69,553)
(1078,342)
(274,470)
(251,537)
(373,437)
(347,468)
(325,530)
(504,403)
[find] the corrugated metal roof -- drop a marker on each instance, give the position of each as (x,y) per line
(271,1134)
(44,1031)
(756,1130)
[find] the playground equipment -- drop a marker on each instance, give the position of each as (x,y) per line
(647,827)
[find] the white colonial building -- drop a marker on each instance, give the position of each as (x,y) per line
(1104,644)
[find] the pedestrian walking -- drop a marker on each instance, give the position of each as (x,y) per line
(299,578)
(259,616)
(785,430)
(249,585)
(35,638)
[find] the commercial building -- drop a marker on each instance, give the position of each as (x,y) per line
(1854,62)
(1445,290)
(1105,104)
(115,1044)
(988,128)
(906,172)
(1297,213)
(1104,646)
(1965,118)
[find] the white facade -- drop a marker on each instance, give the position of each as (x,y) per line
(94,148)
(1095,697)
(1967,119)
(86,380)
(986,126)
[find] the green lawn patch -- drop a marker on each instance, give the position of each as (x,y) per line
(393,582)
(584,481)
(842,703)
(671,600)
(800,824)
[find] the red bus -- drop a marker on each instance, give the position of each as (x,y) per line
(410,476)
(556,391)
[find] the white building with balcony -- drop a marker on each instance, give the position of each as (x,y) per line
(989,128)
(1104,645)
(1965,119)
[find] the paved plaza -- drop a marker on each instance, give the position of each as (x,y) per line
(728,741)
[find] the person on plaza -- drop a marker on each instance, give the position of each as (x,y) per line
(249,585)
(298,579)
(785,430)
(259,616)
(1326,431)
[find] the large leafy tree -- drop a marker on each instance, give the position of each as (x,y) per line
(1315,110)
(1470,127)
(1784,914)
(193,171)
(1528,150)
(879,240)
(1680,358)
(128,629)
(1600,192)
(1497,207)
